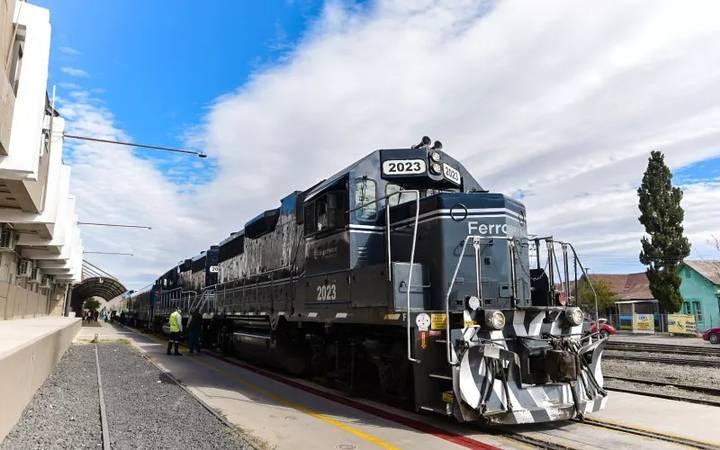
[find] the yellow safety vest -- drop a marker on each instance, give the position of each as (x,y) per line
(175,319)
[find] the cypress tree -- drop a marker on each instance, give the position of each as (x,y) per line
(665,246)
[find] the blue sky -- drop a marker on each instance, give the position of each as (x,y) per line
(158,65)
(543,100)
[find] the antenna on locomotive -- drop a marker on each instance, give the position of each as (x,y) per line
(424,143)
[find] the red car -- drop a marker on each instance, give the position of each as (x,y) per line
(712,335)
(605,328)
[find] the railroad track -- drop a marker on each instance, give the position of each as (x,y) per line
(103,415)
(660,359)
(680,440)
(661,348)
(689,387)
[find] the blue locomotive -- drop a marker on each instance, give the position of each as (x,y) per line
(403,276)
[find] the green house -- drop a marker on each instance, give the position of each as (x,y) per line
(700,290)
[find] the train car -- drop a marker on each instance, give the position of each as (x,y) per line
(403,276)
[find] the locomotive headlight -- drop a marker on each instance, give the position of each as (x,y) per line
(575,316)
(473,303)
(495,320)
(436,168)
(435,156)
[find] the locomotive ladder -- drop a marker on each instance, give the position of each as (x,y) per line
(389,252)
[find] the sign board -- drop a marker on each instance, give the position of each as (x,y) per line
(681,324)
(452,174)
(214,269)
(404,167)
(438,321)
(643,323)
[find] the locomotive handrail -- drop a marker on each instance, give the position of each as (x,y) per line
(412,263)
(389,253)
(587,277)
(387,219)
(448,343)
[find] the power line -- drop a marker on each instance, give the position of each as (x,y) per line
(100,224)
(110,253)
(131,144)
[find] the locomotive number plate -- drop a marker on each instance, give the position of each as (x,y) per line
(404,167)
(451,174)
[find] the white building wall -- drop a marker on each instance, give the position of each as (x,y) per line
(27,122)
(46,229)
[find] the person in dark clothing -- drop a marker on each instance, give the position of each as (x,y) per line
(194,327)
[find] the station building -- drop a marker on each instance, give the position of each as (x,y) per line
(700,290)
(40,245)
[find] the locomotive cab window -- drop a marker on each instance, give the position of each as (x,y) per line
(365,194)
(326,213)
(398,199)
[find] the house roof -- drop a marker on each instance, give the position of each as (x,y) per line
(708,269)
(630,286)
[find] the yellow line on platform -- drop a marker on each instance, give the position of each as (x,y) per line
(292,404)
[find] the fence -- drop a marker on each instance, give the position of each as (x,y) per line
(662,323)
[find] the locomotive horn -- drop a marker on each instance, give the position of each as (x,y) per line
(437,145)
(424,142)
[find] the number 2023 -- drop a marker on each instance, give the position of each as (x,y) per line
(408,166)
(326,292)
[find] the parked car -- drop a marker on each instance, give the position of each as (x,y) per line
(605,328)
(712,335)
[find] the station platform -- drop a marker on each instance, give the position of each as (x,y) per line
(29,351)
(299,414)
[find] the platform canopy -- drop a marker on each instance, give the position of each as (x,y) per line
(103,287)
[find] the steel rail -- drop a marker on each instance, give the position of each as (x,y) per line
(649,434)
(103,415)
(661,348)
(658,359)
(689,387)
(698,401)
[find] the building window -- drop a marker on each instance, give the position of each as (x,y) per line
(697,306)
(16,59)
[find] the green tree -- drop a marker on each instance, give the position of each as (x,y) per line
(91,304)
(665,246)
(605,296)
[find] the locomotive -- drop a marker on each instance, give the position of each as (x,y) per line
(401,275)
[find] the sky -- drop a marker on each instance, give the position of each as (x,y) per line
(558,104)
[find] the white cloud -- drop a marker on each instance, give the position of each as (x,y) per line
(562,101)
(74,72)
(113,185)
(69,51)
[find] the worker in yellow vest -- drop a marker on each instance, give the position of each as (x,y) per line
(175,324)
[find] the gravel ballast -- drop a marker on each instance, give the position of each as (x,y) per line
(147,410)
(64,413)
(670,373)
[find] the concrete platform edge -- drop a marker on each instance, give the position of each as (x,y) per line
(24,369)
